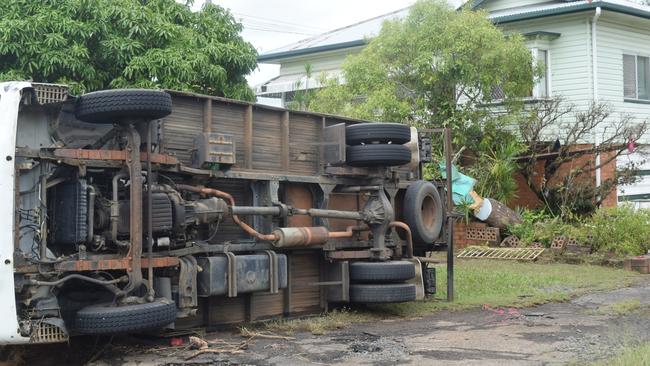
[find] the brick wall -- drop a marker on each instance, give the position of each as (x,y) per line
(526,197)
(460,234)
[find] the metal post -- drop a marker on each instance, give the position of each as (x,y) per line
(150,215)
(450,219)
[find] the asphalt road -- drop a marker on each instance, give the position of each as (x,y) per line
(583,330)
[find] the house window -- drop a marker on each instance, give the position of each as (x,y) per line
(541,87)
(636,77)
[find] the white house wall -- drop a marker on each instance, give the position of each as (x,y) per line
(615,39)
(569,55)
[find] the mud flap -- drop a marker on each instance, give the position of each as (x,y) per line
(418,280)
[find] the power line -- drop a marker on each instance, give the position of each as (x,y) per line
(276,31)
(278,22)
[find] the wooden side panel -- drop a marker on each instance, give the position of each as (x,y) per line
(240,191)
(305,137)
(267,149)
(182,126)
(305,269)
(299,196)
(227,310)
(346,202)
(229,118)
(266,305)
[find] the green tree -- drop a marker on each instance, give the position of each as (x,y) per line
(440,67)
(100,44)
(433,68)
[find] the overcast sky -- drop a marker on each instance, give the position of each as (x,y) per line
(270,24)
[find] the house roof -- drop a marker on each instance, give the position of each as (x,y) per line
(564,7)
(350,36)
(357,34)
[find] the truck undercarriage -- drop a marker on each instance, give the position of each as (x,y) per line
(136,210)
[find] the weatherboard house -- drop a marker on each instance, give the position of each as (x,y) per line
(592,51)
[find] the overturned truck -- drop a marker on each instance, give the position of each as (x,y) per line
(137,210)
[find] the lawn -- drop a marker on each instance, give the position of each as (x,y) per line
(514,284)
(481,283)
(636,355)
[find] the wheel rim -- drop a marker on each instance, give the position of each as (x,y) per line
(428,212)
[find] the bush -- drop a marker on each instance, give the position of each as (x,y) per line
(542,227)
(620,230)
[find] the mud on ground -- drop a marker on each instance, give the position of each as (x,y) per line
(586,329)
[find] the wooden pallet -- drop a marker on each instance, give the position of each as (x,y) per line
(528,254)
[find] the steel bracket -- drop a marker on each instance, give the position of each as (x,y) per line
(232,274)
(274,284)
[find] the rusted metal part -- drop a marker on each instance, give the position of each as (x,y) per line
(113,264)
(187,284)
(409,237)
(151,290)
(215,192)
(349,231)
(116,155)
(349,254)
(135,230)
(334,214)
(300,236)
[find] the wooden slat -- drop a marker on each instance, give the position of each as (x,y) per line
(284,141)
(248,137)
(501,253)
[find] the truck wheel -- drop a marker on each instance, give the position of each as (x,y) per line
(376,294)
(119,105)
(377,155)
(372,272)
(109,319)
(423,211)
(367,133)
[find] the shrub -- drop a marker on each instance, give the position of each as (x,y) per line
(621,230)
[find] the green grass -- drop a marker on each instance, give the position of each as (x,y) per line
(630,356)
(621,308)
(514,284)
(479,283)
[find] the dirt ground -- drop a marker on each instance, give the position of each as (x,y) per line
(586,329)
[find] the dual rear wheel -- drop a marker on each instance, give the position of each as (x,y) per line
(381,282)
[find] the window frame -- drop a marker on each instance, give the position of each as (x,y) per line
(536,92)
(636,56)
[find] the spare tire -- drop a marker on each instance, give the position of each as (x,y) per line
(111,319)
(121,105)
(377,294)
(422,211)
(373,272)
(377,155)
(367,133)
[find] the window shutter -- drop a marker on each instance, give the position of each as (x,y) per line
(629,76)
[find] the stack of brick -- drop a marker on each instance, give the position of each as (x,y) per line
(640,264)
(474,233)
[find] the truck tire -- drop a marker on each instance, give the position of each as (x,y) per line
(377,294)
(423,211)
(367,133)
(377,155)
(373,272)
(120,105)
(108,319)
